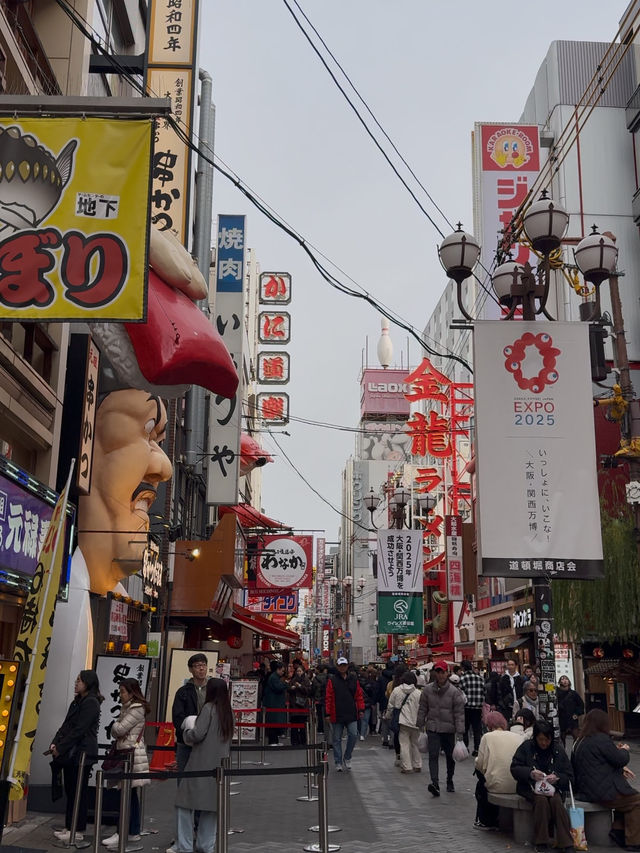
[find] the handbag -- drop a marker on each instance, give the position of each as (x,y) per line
(394,722)
(300,701)
(115,761)
(423,743)
(576,818)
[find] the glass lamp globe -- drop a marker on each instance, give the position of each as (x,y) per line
(596,257)
(503,278)
(459,253)
(545,224)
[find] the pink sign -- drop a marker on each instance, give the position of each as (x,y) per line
(453,534)
(382,393)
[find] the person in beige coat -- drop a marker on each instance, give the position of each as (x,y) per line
(128,731)
(406,697)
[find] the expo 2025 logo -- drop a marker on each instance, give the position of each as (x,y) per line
(516,354)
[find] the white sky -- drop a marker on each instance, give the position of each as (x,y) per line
(428,70)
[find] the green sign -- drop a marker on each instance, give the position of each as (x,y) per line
(400,613)
(153,644)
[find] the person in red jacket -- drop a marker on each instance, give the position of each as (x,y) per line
(344,705)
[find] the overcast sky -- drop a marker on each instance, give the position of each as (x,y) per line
(428,70)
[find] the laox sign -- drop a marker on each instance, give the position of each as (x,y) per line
(388,387)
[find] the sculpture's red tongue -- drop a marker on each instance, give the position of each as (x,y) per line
(178,345)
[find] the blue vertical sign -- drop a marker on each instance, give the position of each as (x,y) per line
(230,256)
(226,415)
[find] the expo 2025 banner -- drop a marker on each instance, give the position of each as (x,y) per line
(537,491)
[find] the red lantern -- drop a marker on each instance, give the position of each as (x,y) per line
(627,653)
(265,645)
(423,640)
(598,652)
(234,642)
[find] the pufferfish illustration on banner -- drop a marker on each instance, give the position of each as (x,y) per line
(32,178)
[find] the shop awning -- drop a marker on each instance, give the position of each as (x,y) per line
(250,517)
(515,644)
(262,626)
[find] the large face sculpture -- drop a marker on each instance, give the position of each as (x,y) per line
(128,465)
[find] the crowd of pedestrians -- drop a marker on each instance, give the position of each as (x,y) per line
(438,709)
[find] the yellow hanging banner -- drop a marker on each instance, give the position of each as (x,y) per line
(74,218)
(32,645)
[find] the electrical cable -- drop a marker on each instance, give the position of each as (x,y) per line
(362,121)
(313,488)
(302,242)
(366,106)
(265,209)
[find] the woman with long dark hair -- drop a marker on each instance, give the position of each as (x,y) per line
(128,731)
(543,760)
(77,734)
(602,777)
(210,740)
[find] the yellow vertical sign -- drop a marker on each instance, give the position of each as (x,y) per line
(34,640)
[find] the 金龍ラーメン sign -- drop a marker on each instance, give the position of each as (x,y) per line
(74,215)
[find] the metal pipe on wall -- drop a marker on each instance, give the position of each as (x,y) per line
(195,398)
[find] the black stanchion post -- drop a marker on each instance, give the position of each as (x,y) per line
(97,811)
(142,797)
(309,796)
(76,800)
(221,844)
(323,816)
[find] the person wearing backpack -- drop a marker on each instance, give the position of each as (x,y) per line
(405,698)
(344,706)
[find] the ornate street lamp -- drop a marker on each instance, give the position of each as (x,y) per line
(397,504)
(544,224)
(596,257)
(459,253)
(372,501)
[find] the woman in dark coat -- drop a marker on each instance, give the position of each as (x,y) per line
(210,741)
(601,772)
(537,759)
(570,707)
(274,696)
(299,692)
(78,733)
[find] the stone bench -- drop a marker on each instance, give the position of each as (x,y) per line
(516,818)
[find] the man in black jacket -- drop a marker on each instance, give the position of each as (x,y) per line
(510,688)
(189,701)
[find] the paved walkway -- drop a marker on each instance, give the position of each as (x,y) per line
(377,807)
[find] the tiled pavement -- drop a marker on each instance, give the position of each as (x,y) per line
(376,807)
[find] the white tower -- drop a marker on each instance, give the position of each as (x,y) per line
(385,347)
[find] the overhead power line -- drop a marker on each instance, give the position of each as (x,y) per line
(85,28)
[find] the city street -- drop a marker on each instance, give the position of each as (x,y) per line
(376,807)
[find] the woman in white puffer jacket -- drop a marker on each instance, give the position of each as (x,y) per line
(128,731)
(406,697)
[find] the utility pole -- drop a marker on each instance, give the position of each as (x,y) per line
(630,424)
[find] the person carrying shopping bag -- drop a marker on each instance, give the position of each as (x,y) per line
(406,698)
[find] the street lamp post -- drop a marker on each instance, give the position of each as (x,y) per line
(544,224)
(596,257)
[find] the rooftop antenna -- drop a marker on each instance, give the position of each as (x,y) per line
(385,347)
